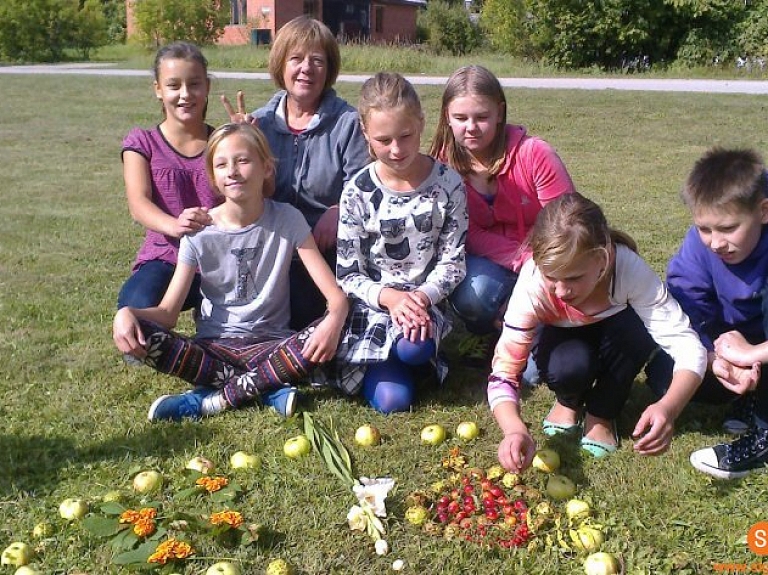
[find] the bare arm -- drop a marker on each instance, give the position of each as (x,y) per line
(517,447)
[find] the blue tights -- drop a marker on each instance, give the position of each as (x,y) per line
(388,386)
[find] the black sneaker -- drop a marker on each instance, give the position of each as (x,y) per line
(742,415)
(736,459)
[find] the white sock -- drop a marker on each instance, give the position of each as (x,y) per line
(214,403)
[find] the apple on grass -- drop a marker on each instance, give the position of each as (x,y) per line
(367,435)
(243,460)
(587,538)
(42,529)
(601,564)
(223,568)
(147,482)
(433,434)
(16,554)
(467,430)
(201,465)
(297,447)
(27,570)
(560,488)
(577,510)
(279,567)
(72,509)
(546,460)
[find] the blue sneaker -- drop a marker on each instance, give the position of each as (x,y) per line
(282,400)
(177,407)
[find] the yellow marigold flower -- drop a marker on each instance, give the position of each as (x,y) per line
(231,518)
(144,527)
(170,550)
(129,516)
(148,513)
(211,484)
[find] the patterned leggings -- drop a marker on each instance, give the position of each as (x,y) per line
(242,367)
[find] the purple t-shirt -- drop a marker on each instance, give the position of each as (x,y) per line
(178,182)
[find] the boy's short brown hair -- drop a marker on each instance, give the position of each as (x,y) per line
(731,180)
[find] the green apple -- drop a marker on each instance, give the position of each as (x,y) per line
(467,430)
(147,482)
(279,567)
(201,465)
(601,564)
(72,509)
(223,568)
(297,446)
(42,529)
(367,435)
(27,570)
(243,460)
(16,554)
(577,510)
(560,488)
(546,460)
(113,496)
(433,434)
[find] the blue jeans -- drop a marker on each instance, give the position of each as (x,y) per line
(479,299)
(147,285)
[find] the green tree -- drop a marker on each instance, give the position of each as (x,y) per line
(507,24)
(42,30)
(449,28)
(162,21)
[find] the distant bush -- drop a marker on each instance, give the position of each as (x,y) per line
(161,21)
(449,28)
(507,24)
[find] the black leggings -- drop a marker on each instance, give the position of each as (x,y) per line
(594,366)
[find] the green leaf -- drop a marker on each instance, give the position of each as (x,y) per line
(102,526)
(124,540)
(113,508)
(138,555)
(187,493)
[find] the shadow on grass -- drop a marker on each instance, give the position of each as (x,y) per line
(33,464)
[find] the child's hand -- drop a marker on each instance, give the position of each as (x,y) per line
(654,429)
(738,379)
(734,348)
(127,334)
(516,451)
(326,228)
(240,116)
(409,310)
(322,342)
(192,220)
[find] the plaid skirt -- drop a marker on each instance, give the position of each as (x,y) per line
(367,338)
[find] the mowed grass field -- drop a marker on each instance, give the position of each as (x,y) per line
(73,415)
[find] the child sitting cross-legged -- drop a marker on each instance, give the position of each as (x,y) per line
(243,350)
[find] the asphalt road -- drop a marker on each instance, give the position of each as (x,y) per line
(612,83)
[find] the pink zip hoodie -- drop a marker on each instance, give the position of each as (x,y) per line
(532,176)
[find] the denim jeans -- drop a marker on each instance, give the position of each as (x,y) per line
(479,299)
(147,285)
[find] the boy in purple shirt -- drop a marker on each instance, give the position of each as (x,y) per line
(719,277)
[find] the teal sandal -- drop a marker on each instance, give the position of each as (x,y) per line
(599,449)
(551,428)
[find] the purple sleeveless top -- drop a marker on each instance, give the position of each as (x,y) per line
(178,182)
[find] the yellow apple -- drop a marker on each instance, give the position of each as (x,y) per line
(560,488)
(587,538)
(297,446)
(147,482)
(367,435)
(42,529)
(467,430)
(72,509)
(601,564)
(223,568)
(201,465)
(27,570)
(16,554)
(546,460)
(279,567)
(243,460)
(433,434)
(577,510)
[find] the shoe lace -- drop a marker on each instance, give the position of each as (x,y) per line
(748,446)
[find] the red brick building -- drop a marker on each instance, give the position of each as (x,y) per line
(377,21)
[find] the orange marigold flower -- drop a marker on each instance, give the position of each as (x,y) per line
(129,516)
(144,527)
(231,518)
(170,550)
(148,513)
(211,484)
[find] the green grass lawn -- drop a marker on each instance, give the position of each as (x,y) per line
(73,415)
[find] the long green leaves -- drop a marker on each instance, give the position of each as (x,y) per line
(326,443)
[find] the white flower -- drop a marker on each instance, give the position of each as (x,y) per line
(382,547)
(373,492)
(356,518)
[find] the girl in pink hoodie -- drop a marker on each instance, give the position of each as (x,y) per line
(509,175)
